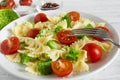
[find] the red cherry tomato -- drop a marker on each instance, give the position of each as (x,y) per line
(10,46)
(74,16)
(94,52)
(104,28)
(25,2)
(64,38)
(33,32)
(62,67)
(40,17)
(8,4)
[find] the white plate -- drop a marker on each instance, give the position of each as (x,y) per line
(18,70)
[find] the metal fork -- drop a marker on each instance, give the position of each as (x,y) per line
(97,32)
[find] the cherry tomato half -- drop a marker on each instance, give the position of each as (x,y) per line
(64,38)
(62,67)
(7,4)
(104,28)
(33,32)
(40,17)
(94,52)
(25,2)
(74,16)
(10,46)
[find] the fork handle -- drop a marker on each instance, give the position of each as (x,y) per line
(116,44)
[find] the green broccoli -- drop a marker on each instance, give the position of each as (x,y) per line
(89,26)
(7,16)
(43,32)
(67,18)
(33,24)
(58,29)
(73,54)
(44,66)
(23,44)
(52,44)
(67,49)
(80,37)
(25,58)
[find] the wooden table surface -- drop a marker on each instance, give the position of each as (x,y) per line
(108,10)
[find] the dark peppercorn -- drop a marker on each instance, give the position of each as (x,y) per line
(50,5)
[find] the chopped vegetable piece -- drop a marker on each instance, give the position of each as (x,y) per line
(74,16)
(23,44)
(52,44)
(33,24)
(10,46)
(58,29)
(62,67)
(85,38)
(80,37)
(67,18)
(67,49)
(73,54)
(89,26)
(44,66)
(33,32)
(104,28)
(43,32)
(64,38)
(25,58)
(40,17)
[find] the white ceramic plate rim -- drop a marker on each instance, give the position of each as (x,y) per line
(96,19)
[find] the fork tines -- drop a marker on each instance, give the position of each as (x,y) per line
(88,32)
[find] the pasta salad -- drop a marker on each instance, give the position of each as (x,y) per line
(45,47)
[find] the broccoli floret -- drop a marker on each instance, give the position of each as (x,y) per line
(44,66)
(25,58)
(67,18)
(73,54)
(43,32)
(80,37)
(7,16)
(67,49)
(52,44)
(89,26)
(33,24)
(23,44)
(58,29)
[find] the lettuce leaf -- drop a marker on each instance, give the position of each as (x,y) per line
(7,16)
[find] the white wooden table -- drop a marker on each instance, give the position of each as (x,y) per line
(108,10)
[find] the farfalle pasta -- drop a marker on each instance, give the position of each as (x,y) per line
(47,46)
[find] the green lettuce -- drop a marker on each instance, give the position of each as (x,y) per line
(7,16)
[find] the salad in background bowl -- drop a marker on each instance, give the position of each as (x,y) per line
(37,46)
